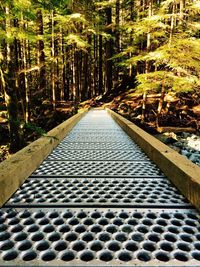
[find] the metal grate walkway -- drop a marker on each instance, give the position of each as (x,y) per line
(98,200)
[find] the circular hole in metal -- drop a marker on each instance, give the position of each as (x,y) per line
(71,237)
(87,256)
(25,245)
(131,246)
(158,229)
(38,215)
(58,221)
(80,229)
(4,236)
(96,246)
(170,237)
(176,222)
(121,237)
(124,256)
(11,214)
(118,222)
(16,229)
(73,221)
(78,246)
(28,221)
(165,216)
(106,256)
(127,229)
(10,255)
(150,246)
(192,216)
(186,238)
(109,215)
(96,215)
(123,215)
(162,222)
(96,229)
(179,216)
(196,255)
(183,246)
(132,222)
(114,246)
(104,237)
(53,237)
(37,236)
(137,237)
(53,215)
(143,229)
(166,246)
(188,230)
(147,222)
(180,256)
(43,245)
(137,215)
(162,256)
(67,215)
(197,246)
(103,222)
(88,221)
(88,237)
(6,245)
(29,256)
(32,228)
(48,256)
(64,229)
(81,215)
(144,256)
(111,229)
(154,238)
(48,229)
(151,215)
(173,229)
(60,245)
(3,228)
(68,256)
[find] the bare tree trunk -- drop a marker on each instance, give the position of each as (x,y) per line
(160,105)
(10,91)
(41,55)
(53,69)
(117,36)
(144,102)
(108,52)
(100,86)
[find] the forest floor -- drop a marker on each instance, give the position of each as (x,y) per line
(179,127)
(43,119)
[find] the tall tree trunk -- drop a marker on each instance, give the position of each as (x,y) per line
(160,105)
(53,67)
(172,23)
(108,52)
(41,55)
(117,37)
(100,85)
(10,90)
(150,13)
(63,84)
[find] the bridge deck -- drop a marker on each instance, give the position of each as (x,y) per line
(98,200)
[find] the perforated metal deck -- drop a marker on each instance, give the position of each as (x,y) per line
(98,200)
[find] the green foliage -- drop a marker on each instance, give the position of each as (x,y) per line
(34,129)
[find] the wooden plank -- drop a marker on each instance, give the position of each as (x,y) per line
(15,170)
(184,174)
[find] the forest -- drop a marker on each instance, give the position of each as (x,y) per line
(139,57)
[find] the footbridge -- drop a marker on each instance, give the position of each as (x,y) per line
(100,197)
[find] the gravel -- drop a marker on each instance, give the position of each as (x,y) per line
(186,144)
